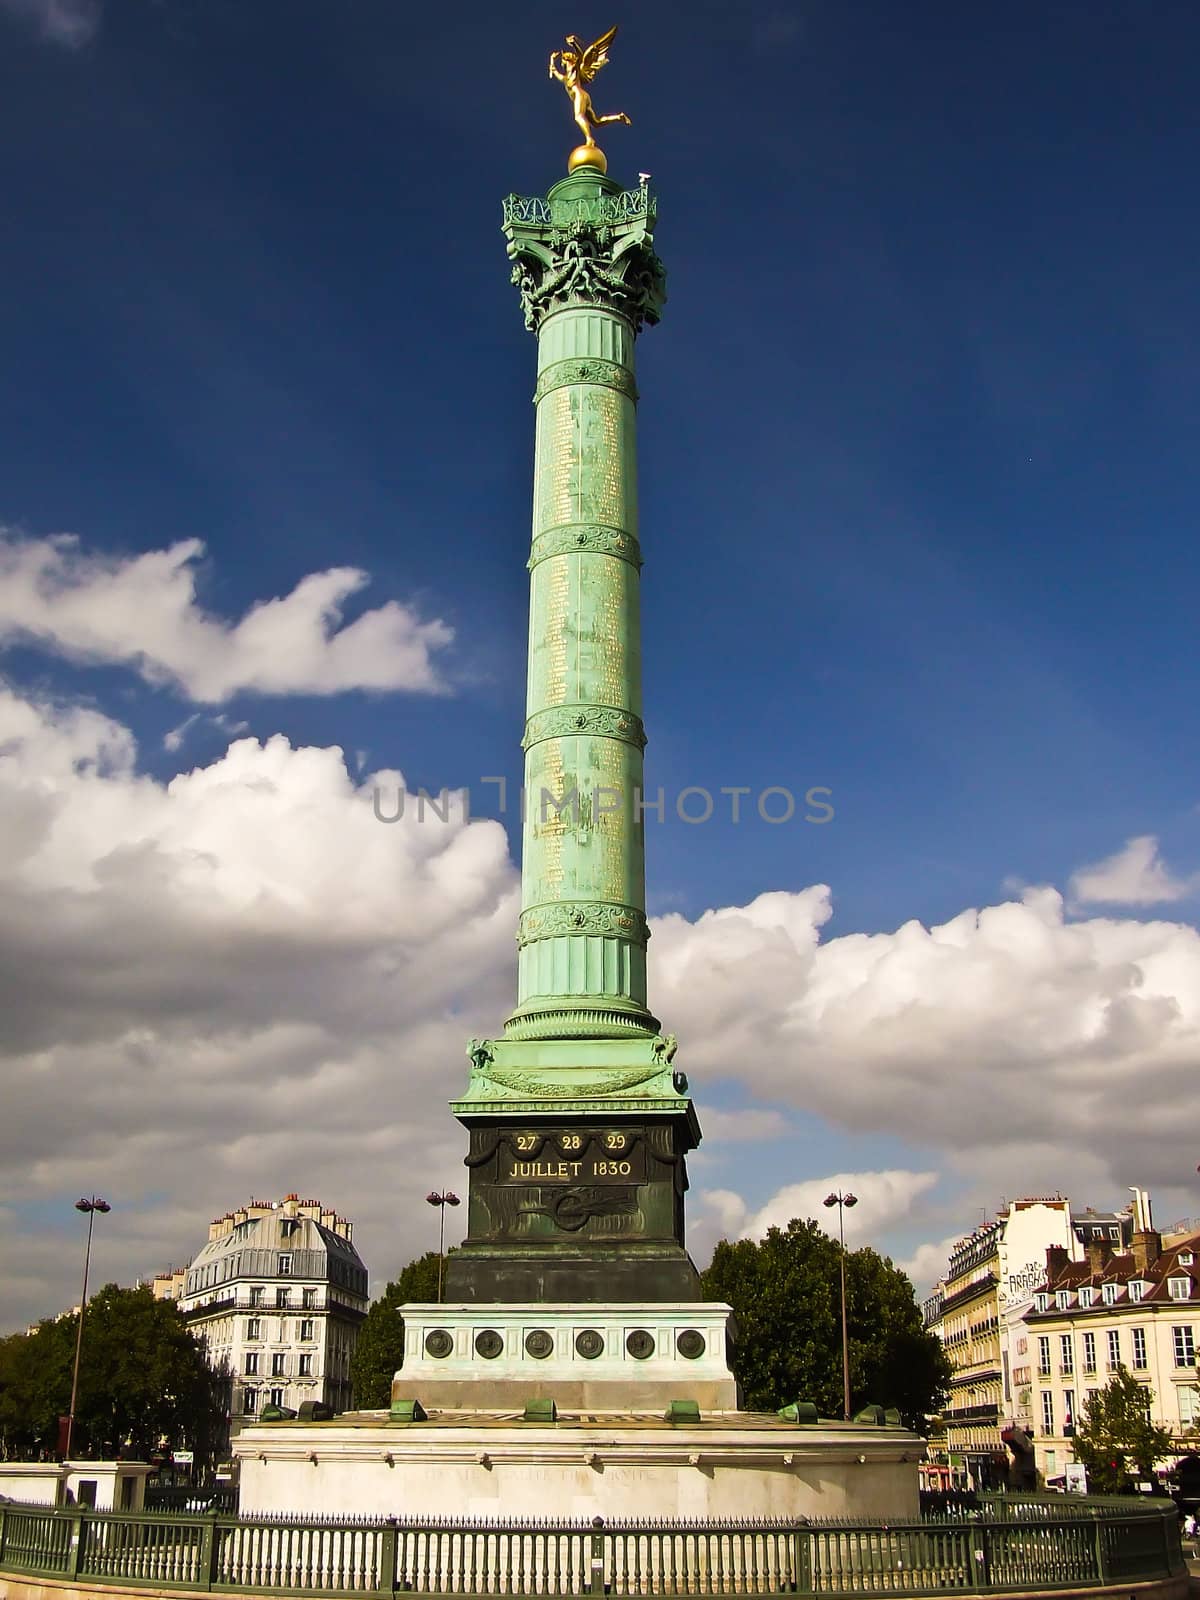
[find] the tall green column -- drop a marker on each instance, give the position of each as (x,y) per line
(583,926)
(579,1121)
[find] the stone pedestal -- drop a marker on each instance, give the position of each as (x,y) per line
(490,1467)
(602,1357)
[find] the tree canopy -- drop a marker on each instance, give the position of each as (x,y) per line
(1116,1434)
(144,1383)
(785,1294)
(380,1348)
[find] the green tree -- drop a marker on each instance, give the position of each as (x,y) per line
(785,1296)
(380,1348)
(144,1383)
(1117,1436)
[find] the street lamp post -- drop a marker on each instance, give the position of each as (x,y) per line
(842,1201)
(91,1206)
(446,1198)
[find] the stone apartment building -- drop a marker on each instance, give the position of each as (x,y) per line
(978,1311)
(1138,1308)
(277,1296)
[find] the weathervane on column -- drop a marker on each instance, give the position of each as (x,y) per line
(578,66)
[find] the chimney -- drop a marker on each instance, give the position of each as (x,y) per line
(1057,1260)
(1147,1247)
(1099,1254)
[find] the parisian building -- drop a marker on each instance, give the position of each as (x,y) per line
(978,1310)
(276,1296)
(1137,1308)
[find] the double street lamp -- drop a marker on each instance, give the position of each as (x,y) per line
(842,1202)
(441,1200)
(91,1206)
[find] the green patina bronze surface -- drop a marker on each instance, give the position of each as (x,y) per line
(581,1057)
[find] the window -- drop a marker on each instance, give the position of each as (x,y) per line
(1137,1289)
(288,1227)
(306,1328)
(1042,1301)
(1179,1288)
(1089,1352)
(277,1397)
(285,1266)
(305,1367)
(1139,1349)
(254,1327)
(310,1299)
(251,1363)
(256,1295)
(1086,1297)
(1069,1409)
(1066,1353)
(249,1402)
(283,1299)
(1114,1347)
(1185,1346)
(1109,1293)
(1186,1258)
(1189,1406)
(1043,1355)
(1063,1299)
(1047,1411)
(1115,1235)
(277,1364)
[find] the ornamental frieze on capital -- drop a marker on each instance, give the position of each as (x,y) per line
(586,369)
(585,536)
(609,722)
(599,918)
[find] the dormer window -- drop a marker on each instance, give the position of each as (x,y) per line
(1137,1289)
(1115,1235)
(1109,1293)
(1186,1258)
(1179,1288)
(285,1266)
(1086,1297)
(1042,1301)
(1063,1299)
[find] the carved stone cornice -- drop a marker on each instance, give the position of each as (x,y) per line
(586,369)
(587,264)
(585,536)
(609,722)
(603,919)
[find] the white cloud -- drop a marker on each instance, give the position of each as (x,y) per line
(1134,876)
(141,611)
(723,1126)
(72,23)
(240,982)
(882,1200)
(237,982)
(1019,1043)
(928,1262)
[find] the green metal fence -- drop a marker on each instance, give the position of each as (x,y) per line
(1011,1545)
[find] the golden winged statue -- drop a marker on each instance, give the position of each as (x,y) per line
(577,66)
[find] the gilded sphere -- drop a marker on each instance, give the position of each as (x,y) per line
(587,155)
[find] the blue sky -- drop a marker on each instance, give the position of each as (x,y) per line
(918,441)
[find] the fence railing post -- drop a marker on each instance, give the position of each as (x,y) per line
(387,1557)
(596,1570)
(981,1554)
(78,1541)
(1101,1547)
(209,1549)
(802,1560)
